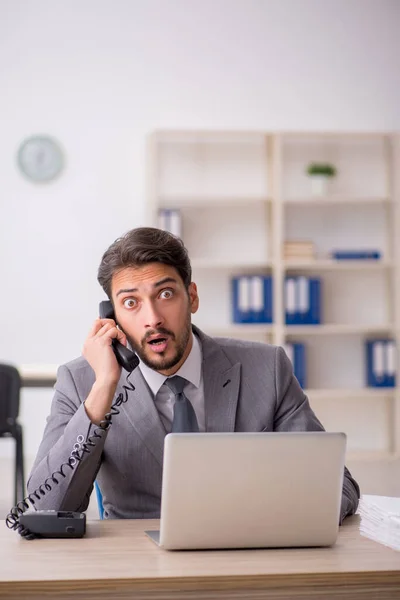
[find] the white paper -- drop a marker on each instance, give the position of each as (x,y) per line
(380,519)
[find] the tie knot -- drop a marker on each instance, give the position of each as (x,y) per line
(176,384)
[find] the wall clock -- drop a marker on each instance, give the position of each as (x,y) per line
(40,158)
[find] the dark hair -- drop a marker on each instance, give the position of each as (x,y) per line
(142,246)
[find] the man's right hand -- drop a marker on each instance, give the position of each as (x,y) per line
(99,353)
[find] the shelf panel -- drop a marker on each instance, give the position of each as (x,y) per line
(340,394)
(206,263)
(335,200)
(245,329)
(210,135)
(299,330)
(338,265)
(334,136)
(333,329)
(316,265)
(188,202)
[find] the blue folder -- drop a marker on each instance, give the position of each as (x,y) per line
(356,254)
(380,363)
(297,354)
(296,313)
(252,299)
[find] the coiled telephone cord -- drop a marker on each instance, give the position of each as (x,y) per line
(12,519)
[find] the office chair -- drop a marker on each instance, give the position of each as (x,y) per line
(99,500)
(10,385)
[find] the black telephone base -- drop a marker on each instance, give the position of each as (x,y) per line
(54,523)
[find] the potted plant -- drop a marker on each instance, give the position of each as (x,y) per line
(320,174)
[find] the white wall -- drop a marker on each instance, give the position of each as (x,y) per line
(100,74)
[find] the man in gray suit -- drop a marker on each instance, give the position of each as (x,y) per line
(227,385)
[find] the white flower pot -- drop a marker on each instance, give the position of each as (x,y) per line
(319,185)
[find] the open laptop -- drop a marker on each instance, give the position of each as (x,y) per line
(250,490)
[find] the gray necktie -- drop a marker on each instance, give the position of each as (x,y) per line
(185,420)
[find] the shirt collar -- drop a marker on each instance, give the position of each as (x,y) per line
(190,370)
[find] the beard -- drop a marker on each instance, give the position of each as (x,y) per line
(163,363)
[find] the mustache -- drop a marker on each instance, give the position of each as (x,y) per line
(159,331)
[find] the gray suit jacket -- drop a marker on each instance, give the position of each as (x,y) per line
(247,387)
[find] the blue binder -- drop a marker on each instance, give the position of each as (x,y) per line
(252,299)
(257,298)
(380,363)
(241,300)
(170,219)
(267,316)
(391,363)
(356,254)
(314,316)
(290,296)
(302,301)
(297,354)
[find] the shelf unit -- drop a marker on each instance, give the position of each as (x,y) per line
(241,195)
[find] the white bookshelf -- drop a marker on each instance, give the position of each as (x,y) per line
(231,265)
(336,329)
(332,265)
(196,202)
(362,392)
(240,196)
(337,200)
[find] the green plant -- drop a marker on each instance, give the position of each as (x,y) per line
(321,169)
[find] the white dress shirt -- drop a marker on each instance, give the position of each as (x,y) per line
(164,398)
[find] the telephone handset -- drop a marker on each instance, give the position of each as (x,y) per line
(51,523)
(125,357)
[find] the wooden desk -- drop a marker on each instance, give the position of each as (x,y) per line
(38,375)
(116,560)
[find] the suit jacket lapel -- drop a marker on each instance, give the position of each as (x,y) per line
(221,391)
(142,413)
(221,386)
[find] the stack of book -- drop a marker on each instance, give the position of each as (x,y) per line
(252,299)
(302,301)
(170,219)
(380,519)
(298,251)
(381,362)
